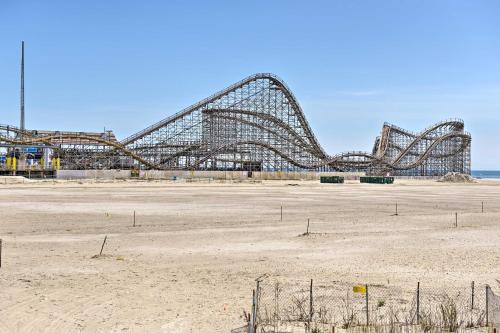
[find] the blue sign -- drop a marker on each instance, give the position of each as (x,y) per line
(31,150)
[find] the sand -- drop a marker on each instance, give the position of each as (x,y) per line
(191,262)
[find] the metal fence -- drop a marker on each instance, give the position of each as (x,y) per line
(314,307)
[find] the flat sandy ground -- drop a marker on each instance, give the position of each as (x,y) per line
(190,263)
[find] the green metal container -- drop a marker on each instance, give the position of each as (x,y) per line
(376,180)
(331,179)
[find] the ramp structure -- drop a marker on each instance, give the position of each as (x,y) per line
(255,124)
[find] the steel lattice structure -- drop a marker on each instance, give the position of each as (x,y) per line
(255,124)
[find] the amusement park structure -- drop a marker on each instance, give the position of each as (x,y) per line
(256,124)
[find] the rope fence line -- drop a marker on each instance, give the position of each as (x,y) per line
(311,307)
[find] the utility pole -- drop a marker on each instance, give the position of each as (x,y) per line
(21,160)
(22,87)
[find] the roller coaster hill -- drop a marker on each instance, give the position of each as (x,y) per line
(256,124)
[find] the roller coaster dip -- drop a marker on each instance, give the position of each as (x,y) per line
(255,124)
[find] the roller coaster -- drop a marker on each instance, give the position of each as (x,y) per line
(255,124)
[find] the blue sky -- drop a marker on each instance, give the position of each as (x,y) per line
(352,64)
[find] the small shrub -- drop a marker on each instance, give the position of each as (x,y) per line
(449,315)
(426,322)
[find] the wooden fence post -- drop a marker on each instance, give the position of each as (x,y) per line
(102,247)
(367,310)
(418,302)
(311,304)
(251,323)
(487,305)
(472,296)
(256,307)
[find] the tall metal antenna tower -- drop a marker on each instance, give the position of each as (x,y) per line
(22,86)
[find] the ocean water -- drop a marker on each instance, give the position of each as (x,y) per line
(493,174)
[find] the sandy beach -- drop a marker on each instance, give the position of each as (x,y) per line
(190,263)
